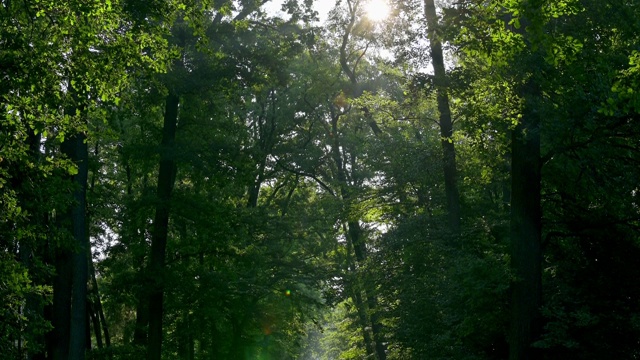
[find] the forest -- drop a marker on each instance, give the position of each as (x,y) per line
(319,180)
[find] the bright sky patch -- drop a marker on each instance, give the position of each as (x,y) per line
(377,10)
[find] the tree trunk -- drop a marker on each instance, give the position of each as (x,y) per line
(58,339)
(166,179)
(98,307)
(142,316)
(186,344)
(95,323)
(87,334)
(78,153)
(254,191)
(376,325)
(92,304)
(356,295)
(446,124)
(370,303)
(526,209)
(526,214)
(67,338)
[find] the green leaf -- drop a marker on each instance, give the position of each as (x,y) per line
(72,169)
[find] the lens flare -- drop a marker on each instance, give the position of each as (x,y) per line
(377,10)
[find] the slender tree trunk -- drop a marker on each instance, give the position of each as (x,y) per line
(370,303)
(93,303)
(98,310)
(356,294)
(166,179)
(376,325)
(191,340)
(142,313)
(186,339)
(254,191)
(355,287)
(354,236)
(446,124)
(95,322)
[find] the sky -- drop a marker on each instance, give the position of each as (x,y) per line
(321,6)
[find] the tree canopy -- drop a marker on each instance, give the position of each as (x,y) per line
(358,179)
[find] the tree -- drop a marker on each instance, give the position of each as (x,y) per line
(250,185)
(56,112)
(446,123)
(536,50)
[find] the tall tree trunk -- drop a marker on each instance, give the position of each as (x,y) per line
(526,209)
(368,304)
(66,340)
(58,339)
(356,295)
(526,214)
(166,179)
(376,325)
(78,153)
(446,124)
(356,289)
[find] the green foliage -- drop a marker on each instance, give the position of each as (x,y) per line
(16,321)
(449,303)
(294,145)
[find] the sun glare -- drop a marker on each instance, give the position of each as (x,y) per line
(377,10)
